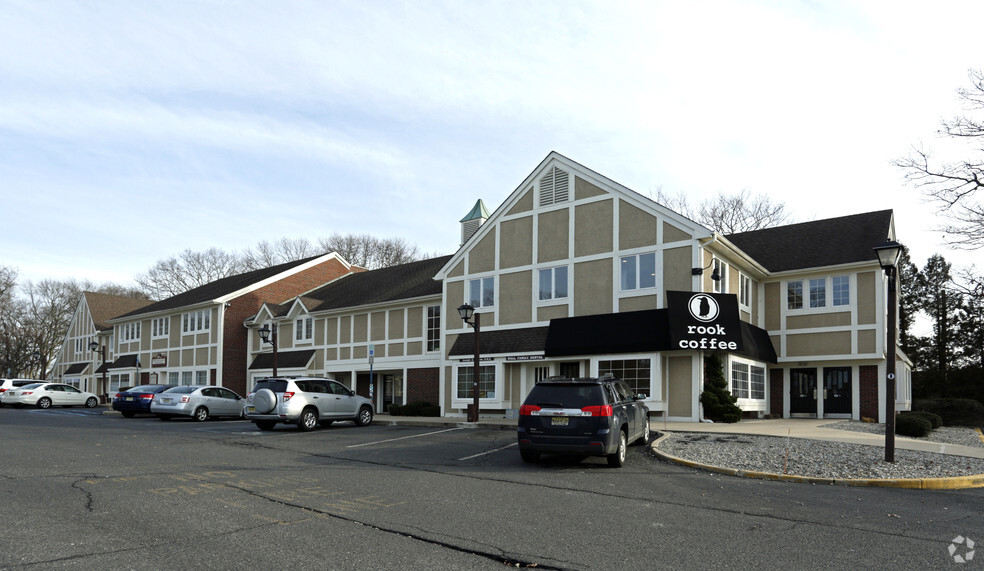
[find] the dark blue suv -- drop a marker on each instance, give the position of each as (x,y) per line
(585,417)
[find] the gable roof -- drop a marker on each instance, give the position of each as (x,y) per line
(104,306)
(220,288)
(405,281)
(830,242)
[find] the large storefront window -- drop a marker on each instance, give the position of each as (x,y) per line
(747,381)
(636,372)
(486,382)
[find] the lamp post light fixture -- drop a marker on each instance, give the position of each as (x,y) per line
(467,313)
(888,256)
(268,335)
(93,346)
(36,359)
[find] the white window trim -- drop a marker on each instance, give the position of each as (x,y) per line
(159,323)
(743,279)
(647,290)
(301,336)
(829,306)
(457,402)
(552,300)
(495,291)
(749,403)
(655,372)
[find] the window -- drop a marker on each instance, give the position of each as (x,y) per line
(818,293)
(129,332)
(635,372)
(196,321)
(201,377)
(173,378)
(841,290)
(747,381)
(187,377)
(554,187)
(638,272)
(719,266)
(434,328)
(553,283)
(304,329)
(794,295)
(745,290)
(481,292)
(486,382)
(159,326)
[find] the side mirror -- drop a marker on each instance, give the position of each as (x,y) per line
(640,396)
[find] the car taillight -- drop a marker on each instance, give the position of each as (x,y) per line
(147,397)
(26,392)
(529,410)
(185,398)
(288,396)
(3,390)
(118,395)
(601,410)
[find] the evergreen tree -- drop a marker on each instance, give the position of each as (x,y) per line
(719,404)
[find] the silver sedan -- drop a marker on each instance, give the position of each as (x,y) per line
(198,402)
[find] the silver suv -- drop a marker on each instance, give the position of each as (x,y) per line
(306,402)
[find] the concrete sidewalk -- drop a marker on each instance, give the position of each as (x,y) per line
(804,428)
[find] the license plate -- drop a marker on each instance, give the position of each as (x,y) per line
(129,398)
(559,421)
(251,409)
(166,401)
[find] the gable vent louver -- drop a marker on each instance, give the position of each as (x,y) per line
(554,187)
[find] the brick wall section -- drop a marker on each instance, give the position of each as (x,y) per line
(235,349)
(776,394)
(868,387)
(424,385)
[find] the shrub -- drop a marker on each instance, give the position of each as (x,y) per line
(416,408)
(935,419)
(395,409)
(719,404)
(912,425)
(955,412)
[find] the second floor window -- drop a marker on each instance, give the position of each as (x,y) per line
(818,293)
(745,291)
(553,283)
(304,329)
(434,328)
(159,326)
(638,272)
(481,292)
(196,321)
(129,332)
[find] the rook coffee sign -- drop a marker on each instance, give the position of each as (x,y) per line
(701,320)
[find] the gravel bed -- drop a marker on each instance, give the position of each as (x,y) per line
(822,459)
(945,434)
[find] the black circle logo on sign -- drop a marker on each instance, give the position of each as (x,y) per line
(704,308)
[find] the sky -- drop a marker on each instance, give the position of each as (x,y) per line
(131,130)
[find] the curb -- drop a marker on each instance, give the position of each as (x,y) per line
(954,483)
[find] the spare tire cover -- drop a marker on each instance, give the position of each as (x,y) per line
(264,401)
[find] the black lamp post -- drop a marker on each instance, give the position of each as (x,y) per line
(467,312)
(888,255)
(270,336)
(93,345)
(36,359)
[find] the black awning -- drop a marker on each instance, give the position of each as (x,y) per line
(645,331)
(630,332)
(507,341)
(285,360)
(76,368)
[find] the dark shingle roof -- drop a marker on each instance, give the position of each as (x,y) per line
(830,242)
(527,340)
(218,288)
(405,281)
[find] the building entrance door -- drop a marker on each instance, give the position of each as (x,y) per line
(392,391)
(837,391)
(803,392)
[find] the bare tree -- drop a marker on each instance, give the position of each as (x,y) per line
(371,252)
(188,270)
(729,213)
(952,184)
(49,308)
(267,254)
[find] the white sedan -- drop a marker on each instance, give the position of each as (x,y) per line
(47,395)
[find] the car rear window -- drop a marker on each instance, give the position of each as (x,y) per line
(570,395)
(31,386)
(275,386)
(182,390)
(145,388)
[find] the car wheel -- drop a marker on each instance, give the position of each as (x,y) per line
(530,456)
(365,416)
(265,424)
(201,414)
(644,439)
(45,402)
(617,460)
(91,402)
(127,414)
(308,420)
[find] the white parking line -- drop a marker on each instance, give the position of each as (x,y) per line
(402,438)
(489,452)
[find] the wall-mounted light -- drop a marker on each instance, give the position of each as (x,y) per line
(715,275)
